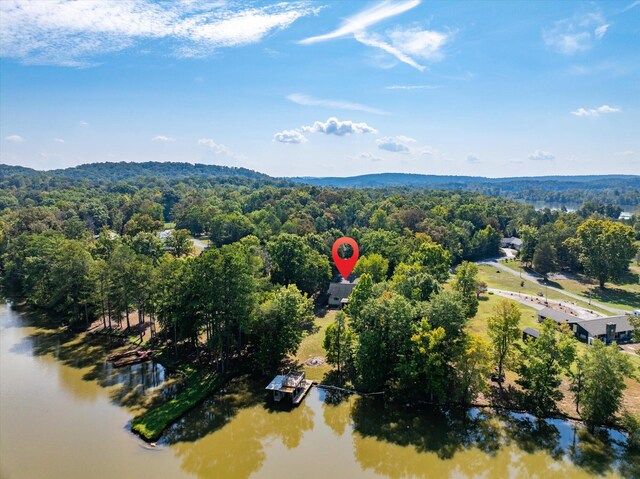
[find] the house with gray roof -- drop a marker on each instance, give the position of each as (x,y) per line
(616,329)
(512,243)
(339,292)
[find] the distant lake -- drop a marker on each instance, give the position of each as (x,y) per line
(61,418)
(627,210)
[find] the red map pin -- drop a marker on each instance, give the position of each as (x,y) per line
(345,265)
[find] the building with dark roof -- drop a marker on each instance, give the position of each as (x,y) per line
(611,329)
(339,292)
(530,333)
(512,243)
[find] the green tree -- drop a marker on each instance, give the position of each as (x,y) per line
(374,265)
(529,236)
(541,364)
(544,258)
(179,243)
(472,368)
(466,283)
(600,382)
(428,370)
(339,342)
(434,258)
(384,339)
(414,282)
(294,261)
(504,330)
(278,326)
(605,248)
(447,311)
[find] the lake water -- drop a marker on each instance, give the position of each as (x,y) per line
(64,413)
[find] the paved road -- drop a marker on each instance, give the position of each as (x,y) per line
(535,279)
(538,303)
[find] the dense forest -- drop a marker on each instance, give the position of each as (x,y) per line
(100,248)
(619,190)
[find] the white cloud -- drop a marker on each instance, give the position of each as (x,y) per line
(289,136)
(364,19)
(301,99)
(162,138)
(594,112)
(333,126)
(473,159)
(404,44)
(377,41)
(600,31)
(577,34)
(395,144)
(58,140)
(69,33)
(425,44)
(14,138)
(625,153)
(368,157)
(217,148)
(412,87)
(84,123)
(540,155)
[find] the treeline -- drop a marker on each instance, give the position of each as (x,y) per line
(414,340)
(91,251)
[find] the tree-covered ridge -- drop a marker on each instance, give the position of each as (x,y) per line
(113,171)
(621,190)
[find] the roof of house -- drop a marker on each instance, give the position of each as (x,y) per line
(558,316)
(342,289)
(532,332)
(512,240)
(285,382)
(598,327)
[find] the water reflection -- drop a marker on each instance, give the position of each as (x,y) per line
(226,436)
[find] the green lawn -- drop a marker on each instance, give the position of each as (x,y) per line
(197,387)
(622,295)
(504,280)
(478,325)
(311,347)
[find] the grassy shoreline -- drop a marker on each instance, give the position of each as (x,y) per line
(197,387)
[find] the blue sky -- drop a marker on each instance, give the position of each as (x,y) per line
(331,88)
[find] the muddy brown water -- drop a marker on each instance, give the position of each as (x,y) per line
(64,414)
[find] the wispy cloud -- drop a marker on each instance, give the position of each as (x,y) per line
(83,123)
(395,144)
(594,112)
(364,19)
(333,126)
(14,138)
(58,140)
(289,136)
(412,87)
(577,34)
(162,138)
(473,159)
(405,44)
(216,148)
(72,33)
(540,155)
(306,100)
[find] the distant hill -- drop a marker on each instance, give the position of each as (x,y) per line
(464,182)
(8,170)
(129,170)
(613,189)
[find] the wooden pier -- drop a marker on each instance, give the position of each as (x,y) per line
(297,399)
